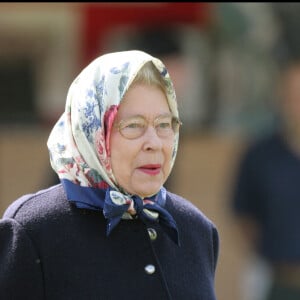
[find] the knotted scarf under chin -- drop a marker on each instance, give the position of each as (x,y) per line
(117,206)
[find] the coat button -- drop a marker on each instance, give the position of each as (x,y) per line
(152,234)
(150,269)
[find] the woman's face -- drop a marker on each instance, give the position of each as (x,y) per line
(141,165)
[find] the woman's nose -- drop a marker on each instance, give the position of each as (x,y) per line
(151,139)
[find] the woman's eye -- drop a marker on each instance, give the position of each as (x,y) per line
(164,125)
(134,125)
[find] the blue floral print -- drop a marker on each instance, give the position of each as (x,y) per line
(91,122)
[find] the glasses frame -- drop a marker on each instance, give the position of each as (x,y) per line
(173,119)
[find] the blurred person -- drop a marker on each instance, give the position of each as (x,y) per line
(110,229)
(267,191)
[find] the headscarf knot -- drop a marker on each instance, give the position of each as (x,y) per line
(118,206)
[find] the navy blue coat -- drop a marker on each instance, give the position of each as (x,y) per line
(49,249)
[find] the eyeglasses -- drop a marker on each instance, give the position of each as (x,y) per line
(133,128)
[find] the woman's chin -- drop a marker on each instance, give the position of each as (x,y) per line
(147,192)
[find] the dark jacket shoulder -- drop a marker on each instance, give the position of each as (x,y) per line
(186,210)
(37,206)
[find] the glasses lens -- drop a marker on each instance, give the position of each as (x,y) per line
(163,126)
(132,128)
(167,126)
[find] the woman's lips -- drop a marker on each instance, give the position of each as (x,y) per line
(150,169)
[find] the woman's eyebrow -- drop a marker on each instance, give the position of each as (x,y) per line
(167,114)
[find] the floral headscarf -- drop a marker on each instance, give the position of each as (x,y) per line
(78,144)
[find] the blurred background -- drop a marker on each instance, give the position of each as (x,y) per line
(224,58)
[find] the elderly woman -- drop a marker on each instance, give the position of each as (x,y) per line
(110,230)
